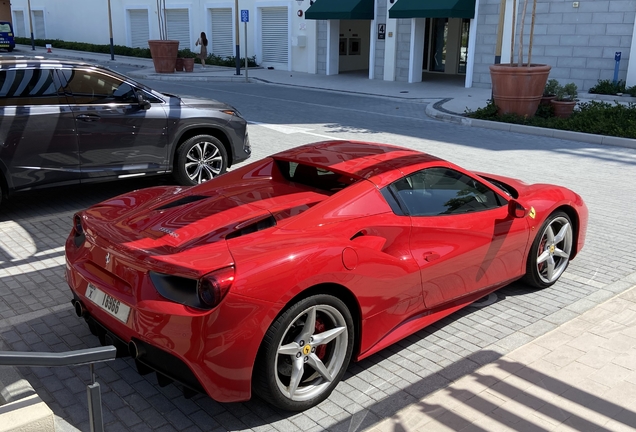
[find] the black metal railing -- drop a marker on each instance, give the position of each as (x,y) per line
(88,356)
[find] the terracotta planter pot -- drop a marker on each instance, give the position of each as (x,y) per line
(545,100)
(164,54)
(518,90)
(188,64)
(179,65)
(563,109)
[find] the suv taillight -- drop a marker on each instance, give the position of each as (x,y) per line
(78,231)
(213,287)
(77,225)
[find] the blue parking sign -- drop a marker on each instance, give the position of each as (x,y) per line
(245,15)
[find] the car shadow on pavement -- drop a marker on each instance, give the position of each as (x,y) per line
(504,392)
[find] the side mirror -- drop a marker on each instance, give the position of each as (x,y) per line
(143,102)
(516,210)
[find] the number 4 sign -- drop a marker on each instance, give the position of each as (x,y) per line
(381,31)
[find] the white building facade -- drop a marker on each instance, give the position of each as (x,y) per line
(393,40)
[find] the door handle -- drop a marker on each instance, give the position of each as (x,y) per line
(431,256)
(88,117)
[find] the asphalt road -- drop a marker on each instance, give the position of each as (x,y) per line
(35,313)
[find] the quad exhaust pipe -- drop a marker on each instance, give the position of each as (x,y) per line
(80,310)
(135,350)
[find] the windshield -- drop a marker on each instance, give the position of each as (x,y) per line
(5,28)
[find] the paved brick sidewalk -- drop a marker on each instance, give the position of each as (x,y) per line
(579,377)
(36,315)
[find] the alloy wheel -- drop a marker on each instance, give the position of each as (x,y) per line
(311,353)
(554,249)
(204,161)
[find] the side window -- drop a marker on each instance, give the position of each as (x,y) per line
(150,97)
(93,87)
(22,87)
(443,191)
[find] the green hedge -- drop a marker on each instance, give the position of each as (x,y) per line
(594,117)
(609,87)
(130,52)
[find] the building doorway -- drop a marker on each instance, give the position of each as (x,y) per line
(354,46)
(446,45)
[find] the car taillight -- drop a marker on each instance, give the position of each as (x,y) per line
(213,287)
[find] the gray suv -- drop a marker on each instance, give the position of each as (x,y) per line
(65,122)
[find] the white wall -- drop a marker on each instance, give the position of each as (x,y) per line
(87,21)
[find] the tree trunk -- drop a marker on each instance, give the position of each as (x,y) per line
(534,12)
(523,22)
(512,37)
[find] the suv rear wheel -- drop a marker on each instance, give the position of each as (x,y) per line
(199,159)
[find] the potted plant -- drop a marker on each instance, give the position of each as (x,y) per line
(550,91)
(188,64)
(565,100)
(163,51)
(517,88)
(179,63)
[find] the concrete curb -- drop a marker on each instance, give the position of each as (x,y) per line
(178,76)
(435,113)
(21,409)
(609,98)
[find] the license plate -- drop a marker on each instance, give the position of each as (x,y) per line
(110,304)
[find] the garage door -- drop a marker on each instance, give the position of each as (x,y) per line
(18,24)
(138,32)
(178,21)
(274,35)
(38,24)
(221,38)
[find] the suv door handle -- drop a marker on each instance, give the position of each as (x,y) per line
(88,117)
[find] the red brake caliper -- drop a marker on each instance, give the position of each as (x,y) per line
(540,251)
(322,349)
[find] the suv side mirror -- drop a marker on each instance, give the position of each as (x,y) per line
(516,210)
(143,102)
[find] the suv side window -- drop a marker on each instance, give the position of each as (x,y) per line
(443,191)
(93,87)
(28,86)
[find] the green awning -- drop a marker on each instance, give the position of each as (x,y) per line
(341,9)
(433,9)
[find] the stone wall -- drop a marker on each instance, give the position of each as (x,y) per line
(382,7)
(403,50)
(579,43)
(486,41)
(321,53)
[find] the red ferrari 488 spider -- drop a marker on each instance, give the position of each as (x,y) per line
(272,277)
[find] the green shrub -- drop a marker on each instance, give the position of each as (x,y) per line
(608,87)
(568,92)
(596,117)
(130,52)
(551,87)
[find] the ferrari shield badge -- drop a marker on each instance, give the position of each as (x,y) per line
(532,213)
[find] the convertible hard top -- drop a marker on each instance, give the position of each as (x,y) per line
(355,158)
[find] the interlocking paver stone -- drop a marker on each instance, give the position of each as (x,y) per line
(33,229)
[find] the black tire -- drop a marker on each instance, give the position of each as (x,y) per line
(538,275)
(3,192)
(274,371)
(200,159)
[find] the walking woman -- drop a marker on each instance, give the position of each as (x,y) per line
(203,41)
